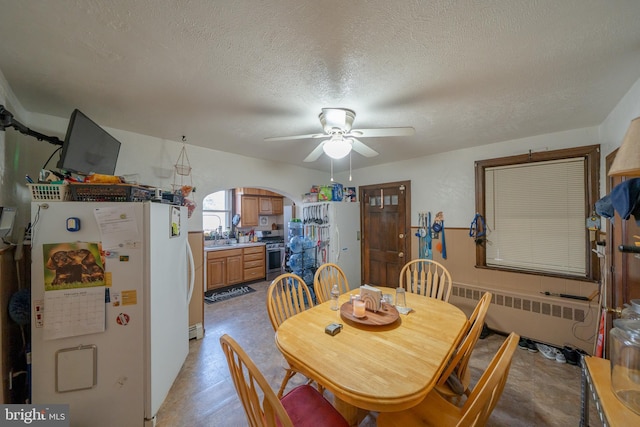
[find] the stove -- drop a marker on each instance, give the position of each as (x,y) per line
(274,242)
(275,245)
(272,238)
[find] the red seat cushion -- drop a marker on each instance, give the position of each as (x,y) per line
(308,408)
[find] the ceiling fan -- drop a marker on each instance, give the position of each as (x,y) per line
(336,123)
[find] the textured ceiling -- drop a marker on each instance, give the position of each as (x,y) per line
(229,73)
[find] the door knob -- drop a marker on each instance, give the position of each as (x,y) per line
(401,235)
(400,254)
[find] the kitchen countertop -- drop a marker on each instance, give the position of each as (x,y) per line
(233,246)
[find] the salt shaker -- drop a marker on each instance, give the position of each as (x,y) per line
(334,297)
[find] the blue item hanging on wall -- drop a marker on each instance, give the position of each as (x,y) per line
(444,243)
(478,229)
(429,237)
(438,227)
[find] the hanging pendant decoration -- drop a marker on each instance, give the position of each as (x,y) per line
(350,178)
(182,179)
(331,170)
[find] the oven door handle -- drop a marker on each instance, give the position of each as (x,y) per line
(282,259)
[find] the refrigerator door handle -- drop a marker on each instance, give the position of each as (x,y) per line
(192,273)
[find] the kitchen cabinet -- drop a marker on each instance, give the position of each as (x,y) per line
(265,206)
(271,205)
(248,207)
(232,266)
(224,268)
(254,263)
(256,192)
(253,202)
(277,205)
(234,270)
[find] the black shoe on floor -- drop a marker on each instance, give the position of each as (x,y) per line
(523,343)
(527,344)
(572,356)
(581,354)
(485,332)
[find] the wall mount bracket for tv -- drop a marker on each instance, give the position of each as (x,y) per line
(7,121)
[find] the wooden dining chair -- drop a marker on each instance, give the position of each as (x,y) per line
(455,380)
(426,277)
(435,410)
(326,276)
(287,296)
(302,406)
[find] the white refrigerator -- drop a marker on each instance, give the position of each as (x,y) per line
(109,299)
(336,227)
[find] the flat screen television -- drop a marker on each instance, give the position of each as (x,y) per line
(88,148)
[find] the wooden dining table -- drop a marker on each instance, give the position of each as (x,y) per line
(379,368)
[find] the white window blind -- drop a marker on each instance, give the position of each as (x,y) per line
(536,214)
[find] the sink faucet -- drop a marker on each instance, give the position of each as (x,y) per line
(217,235)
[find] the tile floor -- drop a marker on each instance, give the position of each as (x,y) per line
(539,392)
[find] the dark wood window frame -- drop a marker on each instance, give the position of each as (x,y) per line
(591,155)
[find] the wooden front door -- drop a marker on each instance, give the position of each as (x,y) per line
(386,224)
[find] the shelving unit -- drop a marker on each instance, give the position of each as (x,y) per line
(300,260)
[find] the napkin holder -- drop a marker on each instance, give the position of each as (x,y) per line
(372,297)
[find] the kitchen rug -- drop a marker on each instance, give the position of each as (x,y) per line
(226,293)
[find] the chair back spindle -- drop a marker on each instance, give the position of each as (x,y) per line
(287,296)
(326,276)
(459,362)
(426,277)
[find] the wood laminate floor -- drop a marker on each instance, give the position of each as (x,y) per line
(539,391)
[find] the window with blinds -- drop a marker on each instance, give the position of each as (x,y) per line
(536,209)
(536,216)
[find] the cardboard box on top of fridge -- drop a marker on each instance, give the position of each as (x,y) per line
(309,197)
(330,193)
(326,193)
(337,192)
(350,194)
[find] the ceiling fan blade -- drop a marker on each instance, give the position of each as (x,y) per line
(288,138)
(315,154)
(379,132)
(363,149)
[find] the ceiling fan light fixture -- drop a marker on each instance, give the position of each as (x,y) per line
(337,147)
(337,119)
